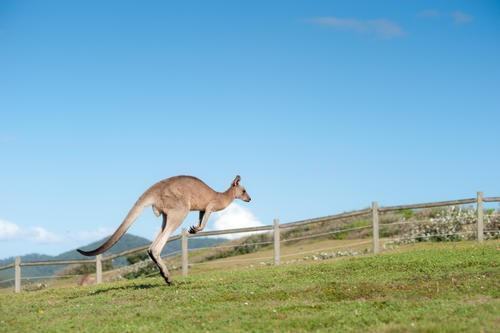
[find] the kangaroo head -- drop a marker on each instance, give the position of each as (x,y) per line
(239,191)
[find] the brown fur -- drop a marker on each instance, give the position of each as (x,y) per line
(174,198)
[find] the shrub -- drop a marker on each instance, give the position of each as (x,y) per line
(148,268)
(83,269)
(136,257)
(234,251)
(407,213)
(452,224)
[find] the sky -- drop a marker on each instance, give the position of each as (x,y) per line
(321,106)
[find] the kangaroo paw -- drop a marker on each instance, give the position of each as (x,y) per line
(193,230)
(169,281)
(167,278)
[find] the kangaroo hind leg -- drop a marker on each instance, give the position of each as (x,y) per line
(170,223)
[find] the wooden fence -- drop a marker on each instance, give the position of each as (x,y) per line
(375,210)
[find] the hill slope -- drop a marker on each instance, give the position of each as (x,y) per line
(447,288)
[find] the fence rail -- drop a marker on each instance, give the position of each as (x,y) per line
(341,216)
(6,266)
(428,205)
(276,228)
(231,231)
(57,262)
(491,199)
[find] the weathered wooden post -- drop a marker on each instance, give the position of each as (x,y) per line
(480,224)
(17,275)
(184,246)
(376,243)
(98,269)
(276,235)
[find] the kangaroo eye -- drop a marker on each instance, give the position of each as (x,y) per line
(244,191)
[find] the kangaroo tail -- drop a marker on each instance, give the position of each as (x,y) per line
(132,215)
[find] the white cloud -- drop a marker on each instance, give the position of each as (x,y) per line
(14,232)
(91,235)
(381,28)
(461,17)
(40,235)
(11,231)
(235,216)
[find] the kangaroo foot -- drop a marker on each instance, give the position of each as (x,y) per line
(168,280)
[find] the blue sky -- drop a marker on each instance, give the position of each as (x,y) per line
(320,106)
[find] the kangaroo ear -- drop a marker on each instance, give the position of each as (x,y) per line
(236,181)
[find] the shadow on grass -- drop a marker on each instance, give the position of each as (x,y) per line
(127,287)
(141,286)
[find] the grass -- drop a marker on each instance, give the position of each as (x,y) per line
(452,287)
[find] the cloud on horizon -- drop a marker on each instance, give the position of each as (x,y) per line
(381,28)
(235,216)
(10,231)
(91,235)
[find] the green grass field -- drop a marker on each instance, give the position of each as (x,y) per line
(449,287)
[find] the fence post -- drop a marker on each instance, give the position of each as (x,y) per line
(276,235)
(480,224)
(98,269)
(184,246)
(376,243)
(17,275)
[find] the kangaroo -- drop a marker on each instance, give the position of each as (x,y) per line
(173,198)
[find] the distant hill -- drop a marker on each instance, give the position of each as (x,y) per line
(127,242)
